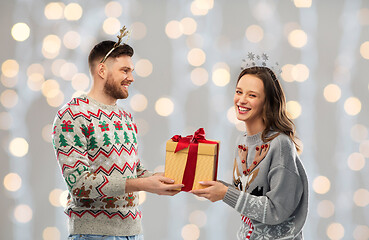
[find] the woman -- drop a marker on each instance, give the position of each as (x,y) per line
(270,185)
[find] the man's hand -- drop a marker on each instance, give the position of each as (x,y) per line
(161,185)
(157,184)
(215,191)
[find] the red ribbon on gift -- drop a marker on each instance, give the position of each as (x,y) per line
(192,141)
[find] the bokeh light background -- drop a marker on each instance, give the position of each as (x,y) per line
(188,56)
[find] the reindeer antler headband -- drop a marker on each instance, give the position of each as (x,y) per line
(123,32)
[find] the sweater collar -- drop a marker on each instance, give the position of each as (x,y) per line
(99,104)
(256,139)
(253,139)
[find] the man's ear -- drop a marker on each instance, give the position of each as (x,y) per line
(101,70)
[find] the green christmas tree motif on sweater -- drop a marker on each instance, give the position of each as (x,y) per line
(92,144)
(63,142)
(116,137)
(134,138)
(106,140)
(77,141)
(126,138)
(129,126)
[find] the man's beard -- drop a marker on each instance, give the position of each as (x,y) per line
(114,90)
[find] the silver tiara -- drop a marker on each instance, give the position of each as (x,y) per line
(254,60)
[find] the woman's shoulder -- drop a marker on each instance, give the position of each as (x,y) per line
(286,151)
(282,140)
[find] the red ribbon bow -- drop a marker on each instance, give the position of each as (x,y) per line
(184,142)
(191,141)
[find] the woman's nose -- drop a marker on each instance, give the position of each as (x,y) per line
(243,99)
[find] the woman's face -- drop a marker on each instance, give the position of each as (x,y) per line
(249,99)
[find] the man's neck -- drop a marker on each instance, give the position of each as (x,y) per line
(101,97)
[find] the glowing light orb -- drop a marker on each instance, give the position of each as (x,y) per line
(321,185)
(335,231)
(196,57)
(164,107)
(294,109)
(12,182)
(297,38)
(20,32)
(254,33)
(352,106)
(138,102)
(23,213)
(190,232)
(199,76)
(144,67)
(332,93)
(174,29)
(10,68)
(73,12)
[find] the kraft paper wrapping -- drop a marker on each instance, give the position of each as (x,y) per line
(206,165)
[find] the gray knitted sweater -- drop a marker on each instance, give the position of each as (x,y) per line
(271,189)
(96,148)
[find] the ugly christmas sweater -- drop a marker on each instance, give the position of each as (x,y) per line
(96,148)
(270,189)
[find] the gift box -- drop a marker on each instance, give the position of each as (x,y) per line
(191,159)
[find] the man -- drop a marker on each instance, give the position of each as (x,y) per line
(96,147)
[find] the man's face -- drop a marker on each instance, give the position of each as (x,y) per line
(119,77)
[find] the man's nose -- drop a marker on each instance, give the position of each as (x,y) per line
(130,77)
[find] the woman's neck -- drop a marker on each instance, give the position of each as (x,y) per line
(254,127)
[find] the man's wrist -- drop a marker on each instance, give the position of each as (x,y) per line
(134,184)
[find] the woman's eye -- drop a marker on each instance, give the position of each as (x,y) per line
(238,92)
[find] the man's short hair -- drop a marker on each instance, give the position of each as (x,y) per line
(99,51)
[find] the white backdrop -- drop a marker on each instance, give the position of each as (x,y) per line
(187,56)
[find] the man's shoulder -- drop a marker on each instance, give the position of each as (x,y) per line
(75,106)
(78,101)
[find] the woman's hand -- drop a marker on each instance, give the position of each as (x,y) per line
(215,191)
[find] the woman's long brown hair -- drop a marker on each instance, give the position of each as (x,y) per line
(275,112)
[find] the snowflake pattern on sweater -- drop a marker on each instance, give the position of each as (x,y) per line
(96,148)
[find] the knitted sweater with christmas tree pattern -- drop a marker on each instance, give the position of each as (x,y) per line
(96,148)
(270,188)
